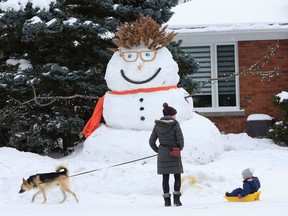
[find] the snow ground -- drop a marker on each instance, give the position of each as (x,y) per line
(135,188)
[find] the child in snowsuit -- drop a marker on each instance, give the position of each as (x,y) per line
(251,185)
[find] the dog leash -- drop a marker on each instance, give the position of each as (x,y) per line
(115,165)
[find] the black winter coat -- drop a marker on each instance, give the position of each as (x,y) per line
(169,133)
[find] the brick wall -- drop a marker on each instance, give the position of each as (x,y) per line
(256,94)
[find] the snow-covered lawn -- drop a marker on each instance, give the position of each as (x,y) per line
(135,188)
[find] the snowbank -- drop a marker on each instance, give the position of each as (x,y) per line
(201,137)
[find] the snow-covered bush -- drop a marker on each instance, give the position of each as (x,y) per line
(279,132)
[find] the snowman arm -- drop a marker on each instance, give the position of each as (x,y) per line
(152,141)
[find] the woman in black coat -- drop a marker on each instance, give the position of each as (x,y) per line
(169,133)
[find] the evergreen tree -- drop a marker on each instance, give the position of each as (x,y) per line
(67,47)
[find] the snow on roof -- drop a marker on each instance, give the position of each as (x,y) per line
(208,15)
(212,15)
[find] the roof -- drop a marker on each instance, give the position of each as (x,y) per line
(230,15)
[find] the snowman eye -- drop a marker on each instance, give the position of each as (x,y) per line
(130,56)
(148,55)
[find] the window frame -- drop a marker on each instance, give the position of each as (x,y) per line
(214,74)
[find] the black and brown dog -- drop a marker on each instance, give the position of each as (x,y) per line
(44,181)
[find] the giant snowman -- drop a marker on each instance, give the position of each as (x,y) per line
(141,76)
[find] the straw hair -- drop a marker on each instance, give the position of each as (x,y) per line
(144,31)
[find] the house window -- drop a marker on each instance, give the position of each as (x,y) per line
(215,62)
(226,69)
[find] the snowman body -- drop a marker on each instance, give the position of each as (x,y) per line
(140,110)
(137,70)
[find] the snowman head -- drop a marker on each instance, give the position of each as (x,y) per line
(141,60)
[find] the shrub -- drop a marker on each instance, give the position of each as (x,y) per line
(279,132)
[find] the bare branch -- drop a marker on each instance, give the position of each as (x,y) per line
(253,69)
(36,100)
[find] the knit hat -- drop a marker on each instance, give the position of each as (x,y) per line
(169,111)
(247,173)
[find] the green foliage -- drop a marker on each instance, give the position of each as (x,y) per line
(75,34)
(279,132)
(66,46)
(45,123)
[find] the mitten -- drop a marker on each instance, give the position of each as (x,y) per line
(175,152)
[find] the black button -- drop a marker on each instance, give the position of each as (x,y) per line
(142,118)
(141,99)
(141,108)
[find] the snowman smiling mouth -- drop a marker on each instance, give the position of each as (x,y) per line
(140,82)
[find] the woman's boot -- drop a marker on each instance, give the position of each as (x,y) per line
(167,199)
(176,197)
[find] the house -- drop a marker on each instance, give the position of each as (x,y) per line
(243,46)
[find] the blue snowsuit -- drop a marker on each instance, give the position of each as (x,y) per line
(250,185)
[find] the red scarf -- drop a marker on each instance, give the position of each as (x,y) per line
(95,119)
